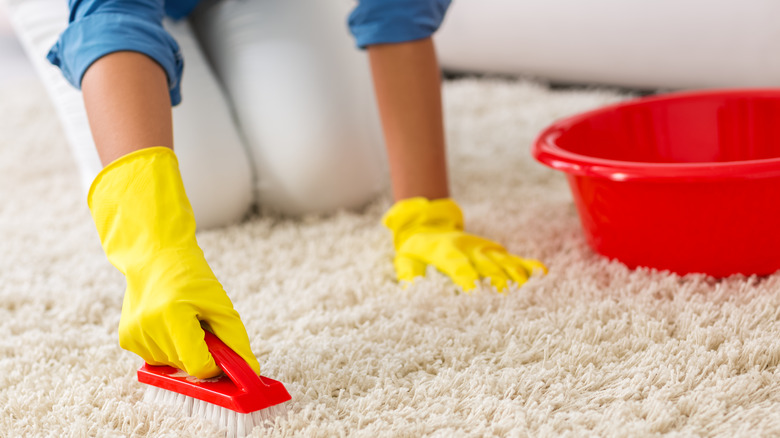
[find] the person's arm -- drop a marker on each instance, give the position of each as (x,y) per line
(408,89)
(146,224)
(141,212)
(128,106)
(427,226)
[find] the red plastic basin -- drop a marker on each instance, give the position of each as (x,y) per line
(686,182)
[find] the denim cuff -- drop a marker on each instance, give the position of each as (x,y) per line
(395,21)
(90,38)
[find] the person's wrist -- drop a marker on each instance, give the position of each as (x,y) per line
(413,215)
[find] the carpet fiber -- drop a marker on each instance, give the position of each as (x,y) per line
(593,348)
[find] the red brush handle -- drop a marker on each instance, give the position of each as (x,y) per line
(233,365)
(242,390)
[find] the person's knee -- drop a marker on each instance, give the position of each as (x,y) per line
(302,97)
(216,173)
(342,169)
(215,168)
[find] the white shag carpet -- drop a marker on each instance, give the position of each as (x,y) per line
(590,349)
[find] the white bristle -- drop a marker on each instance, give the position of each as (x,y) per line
(200,408)
(219,415)
(150,395)
(240,430)
(237,425)
(250,421)
(188,402)
(222,417)
(213,415)
(231,424)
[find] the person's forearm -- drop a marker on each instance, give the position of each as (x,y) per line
(128,105)
(408,89)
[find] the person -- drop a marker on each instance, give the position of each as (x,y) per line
(298,94)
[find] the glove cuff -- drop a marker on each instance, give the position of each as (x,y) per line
(410,216)
(139,207)
(141,158)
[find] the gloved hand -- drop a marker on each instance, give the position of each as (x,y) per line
(147,229)
(431,233)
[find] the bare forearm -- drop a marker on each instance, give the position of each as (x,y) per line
(408,90)
(128,105)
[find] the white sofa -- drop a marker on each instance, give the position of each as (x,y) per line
(633,43)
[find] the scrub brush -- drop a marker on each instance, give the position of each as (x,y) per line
(237,400)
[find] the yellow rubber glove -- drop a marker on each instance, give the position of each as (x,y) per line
(431,233)
(147,229)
